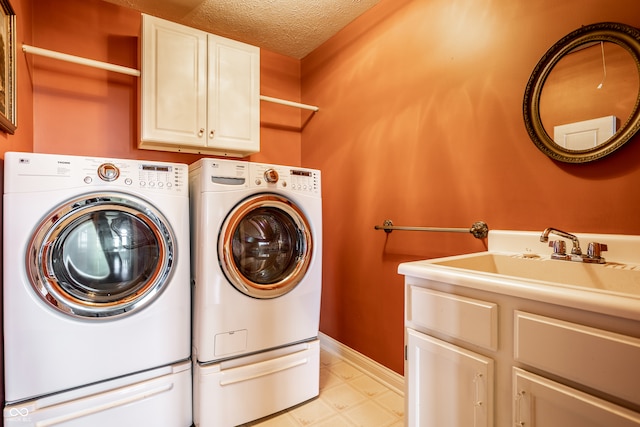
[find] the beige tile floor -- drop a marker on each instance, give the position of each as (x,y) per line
(348,398)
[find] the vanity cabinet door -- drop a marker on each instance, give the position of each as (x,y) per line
(447,385)
(540,402)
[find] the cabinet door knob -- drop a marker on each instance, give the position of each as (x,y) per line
(201,132)
(211,134)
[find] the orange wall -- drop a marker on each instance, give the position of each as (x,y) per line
(22,140)
(421,122)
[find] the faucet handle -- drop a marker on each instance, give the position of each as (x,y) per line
(559,246)
(595,249)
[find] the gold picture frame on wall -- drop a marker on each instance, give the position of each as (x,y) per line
(7,67)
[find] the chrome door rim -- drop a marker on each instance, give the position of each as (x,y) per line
(48,286)
(225,250)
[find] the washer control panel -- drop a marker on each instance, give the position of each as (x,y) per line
(161,176)
(42,172)
(136,174)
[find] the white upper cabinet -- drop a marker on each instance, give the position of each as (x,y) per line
(200,93)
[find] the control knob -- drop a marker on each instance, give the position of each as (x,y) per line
(108,172)
(271,175)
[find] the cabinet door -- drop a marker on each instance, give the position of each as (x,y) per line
(234,97)
(173,85)
(539,402)
(447,385)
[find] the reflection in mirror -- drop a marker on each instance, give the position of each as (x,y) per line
(589,92)
(582,100)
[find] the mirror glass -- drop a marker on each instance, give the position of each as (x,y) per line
(582,99)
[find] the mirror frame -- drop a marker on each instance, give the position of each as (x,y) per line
(624,36)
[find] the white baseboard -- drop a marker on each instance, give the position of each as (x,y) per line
(386,376)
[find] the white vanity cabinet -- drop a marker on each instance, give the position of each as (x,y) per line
(485,358)
(200,93)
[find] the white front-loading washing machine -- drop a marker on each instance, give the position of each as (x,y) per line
(257,277)
(96,290)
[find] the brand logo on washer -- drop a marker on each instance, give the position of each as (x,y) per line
(18,412)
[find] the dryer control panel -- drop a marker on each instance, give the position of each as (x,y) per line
(285,178)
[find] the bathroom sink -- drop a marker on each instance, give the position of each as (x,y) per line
(517,263)
(608,277)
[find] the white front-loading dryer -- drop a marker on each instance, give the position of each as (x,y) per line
(96,271)
(256,256)
(257,277)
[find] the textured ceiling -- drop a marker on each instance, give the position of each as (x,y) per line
(291,27)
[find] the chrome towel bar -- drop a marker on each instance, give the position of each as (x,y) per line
(479,229)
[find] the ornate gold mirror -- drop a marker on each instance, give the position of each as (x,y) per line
(582,100)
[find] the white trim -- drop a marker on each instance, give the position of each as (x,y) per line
(381,373)
(79,60)
(289,103)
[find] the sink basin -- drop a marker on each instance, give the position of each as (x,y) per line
(609,277)
(517,264)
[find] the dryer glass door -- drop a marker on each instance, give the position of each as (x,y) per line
(265,246)
(100,256)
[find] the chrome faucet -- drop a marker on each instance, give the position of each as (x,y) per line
(593,253)
(575,250)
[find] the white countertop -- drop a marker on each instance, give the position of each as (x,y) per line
(622,249)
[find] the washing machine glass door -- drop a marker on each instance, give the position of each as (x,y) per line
(101,255)
(265,246)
